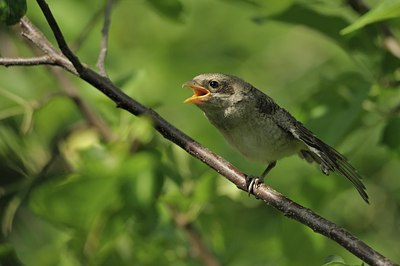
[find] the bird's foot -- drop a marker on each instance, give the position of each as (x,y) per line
(252,182)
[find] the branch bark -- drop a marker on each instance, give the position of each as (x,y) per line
(104,38)
(288,207)
(34,61)
(36,37)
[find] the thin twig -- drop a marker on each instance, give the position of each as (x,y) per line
(37,38)
(76,44)
(104,38)
(34,61)
(267,194)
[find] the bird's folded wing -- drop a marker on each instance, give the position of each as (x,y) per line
(329,158)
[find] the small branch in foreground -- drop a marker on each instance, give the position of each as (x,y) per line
(104,38)
(30,32)
(34,61)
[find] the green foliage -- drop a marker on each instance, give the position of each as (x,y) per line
(172,9)
(389,137)
(11,11)
(71,196)
(335,261)
(387,9)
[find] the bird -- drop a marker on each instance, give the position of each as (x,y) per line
(261,130)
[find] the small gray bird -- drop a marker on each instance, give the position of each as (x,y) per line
(260,129)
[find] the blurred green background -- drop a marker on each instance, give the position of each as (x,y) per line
(69,196)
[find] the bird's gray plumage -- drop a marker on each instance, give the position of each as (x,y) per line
(262,130)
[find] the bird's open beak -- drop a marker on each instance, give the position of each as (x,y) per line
(200,93)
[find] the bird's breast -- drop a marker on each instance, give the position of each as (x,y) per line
(258,138)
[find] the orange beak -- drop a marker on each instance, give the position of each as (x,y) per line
(200,94)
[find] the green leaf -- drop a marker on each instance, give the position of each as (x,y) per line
(386,10)
(334,263)
(142,179)
(334,260)
(325,23)
(11,11)
(76,203)
(390,136)
(38,242)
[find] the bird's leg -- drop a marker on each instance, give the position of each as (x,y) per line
(255,181)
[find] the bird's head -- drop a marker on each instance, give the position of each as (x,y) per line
(216,90)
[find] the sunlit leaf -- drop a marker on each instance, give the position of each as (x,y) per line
(387,9)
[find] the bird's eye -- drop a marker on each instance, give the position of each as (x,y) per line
(214,84)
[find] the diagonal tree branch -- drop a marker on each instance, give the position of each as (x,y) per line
(267,194)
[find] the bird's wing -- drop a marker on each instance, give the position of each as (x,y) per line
(328,158)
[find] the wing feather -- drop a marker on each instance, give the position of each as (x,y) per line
(327,157)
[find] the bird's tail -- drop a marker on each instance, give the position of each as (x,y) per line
(331,160)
